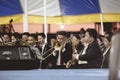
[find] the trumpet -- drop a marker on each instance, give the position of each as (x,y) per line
(57,46)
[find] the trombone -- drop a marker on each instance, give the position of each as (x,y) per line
(57,46)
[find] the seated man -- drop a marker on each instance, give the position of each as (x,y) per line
(64,54)
(77,47)
(24,39)
(106,53)
(32,39)
(43,48)
(91,56)
(7,39)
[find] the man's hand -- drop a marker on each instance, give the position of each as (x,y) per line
(74,56)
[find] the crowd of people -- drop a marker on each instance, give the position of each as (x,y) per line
(86,49)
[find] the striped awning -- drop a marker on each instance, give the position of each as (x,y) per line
(60,11)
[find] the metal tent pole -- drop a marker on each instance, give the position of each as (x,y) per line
(25,19)
(45,20)
(101,22)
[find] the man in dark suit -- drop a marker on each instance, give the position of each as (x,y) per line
(91,57)
(64,54)
(43,47)
(106,53)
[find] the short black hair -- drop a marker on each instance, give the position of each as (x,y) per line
(42,34)
(92,33)
(9,35)
(109,37)
(26,33)
(33,35)
(82,31)
(77,36)
(64,33)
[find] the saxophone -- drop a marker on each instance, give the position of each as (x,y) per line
(73,61)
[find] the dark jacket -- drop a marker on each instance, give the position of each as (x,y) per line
(105,63)
(66,55)
(93,56)
(44,63)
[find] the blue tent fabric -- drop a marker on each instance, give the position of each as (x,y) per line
(10,7)
(77,7)
(60,11)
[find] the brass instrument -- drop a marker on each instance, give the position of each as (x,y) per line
(23,43)
(9,44)
(1,43)
(57,46)
(72,61)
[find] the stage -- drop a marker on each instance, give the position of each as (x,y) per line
(58,74)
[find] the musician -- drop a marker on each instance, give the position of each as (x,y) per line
(91,57)
(24,39)
(32,39)
(100,42)
(82,32)
(106,53)
(62,56)
(15,39)
(77,47)
(7,39)
(25,36)
(52,41)
(43,47)
(77,43)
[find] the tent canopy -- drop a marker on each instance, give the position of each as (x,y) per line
(60,11)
